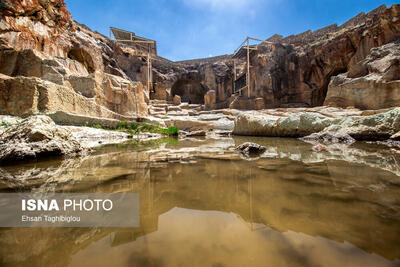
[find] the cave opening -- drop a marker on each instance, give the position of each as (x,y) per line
(319,96)
(190,91)
(83,57)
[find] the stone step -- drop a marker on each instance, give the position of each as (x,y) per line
(154,113)
(157,109)
(174,113)
(193,113)
(156,101)
(193,106)
(160,116)
(184,105)
(160,105)
(174,108)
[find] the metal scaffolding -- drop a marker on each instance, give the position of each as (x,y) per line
(142,47)
(243,81)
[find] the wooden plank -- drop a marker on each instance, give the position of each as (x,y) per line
(129,38)
(112,28)
(136,41)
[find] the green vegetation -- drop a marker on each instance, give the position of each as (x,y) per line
(5,124)
(173,131)
(136,128)
(97,126)
(123,125)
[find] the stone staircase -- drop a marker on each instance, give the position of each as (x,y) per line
(163,109)
(191,117)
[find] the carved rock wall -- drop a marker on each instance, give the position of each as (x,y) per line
(63,66)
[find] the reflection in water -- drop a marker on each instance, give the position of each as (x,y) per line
(202,205)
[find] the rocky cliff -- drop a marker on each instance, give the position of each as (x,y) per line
(297,70)
(193,79)
(355,64)
(50,63)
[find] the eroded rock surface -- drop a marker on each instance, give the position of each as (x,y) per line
(332,134)
(47,57)
(379,126)
(296,70)
(374,83)
(50,63)
(36,137)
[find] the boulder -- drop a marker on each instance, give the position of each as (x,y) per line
(36,137)
(176,100)
(259,124)
(250,148)
(380,125)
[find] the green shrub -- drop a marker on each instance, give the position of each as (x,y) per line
(171,130)
(4,124)
(147,127)
(134,127)
(122,125)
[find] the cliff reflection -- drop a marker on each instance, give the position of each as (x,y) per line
(202,205)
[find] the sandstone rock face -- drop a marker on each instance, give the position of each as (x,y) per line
(242,102)
(38,39)
(210,99)
(51,63)
(379,126)
(374,84)
(296,70)
(192,79)
(35,137)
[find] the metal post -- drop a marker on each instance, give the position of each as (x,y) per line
(248,68)
(148,68)
(151,74)
(234,75)
(148,71)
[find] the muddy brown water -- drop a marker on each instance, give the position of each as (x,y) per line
(202,204)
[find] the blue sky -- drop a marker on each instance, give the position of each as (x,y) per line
(186,29)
